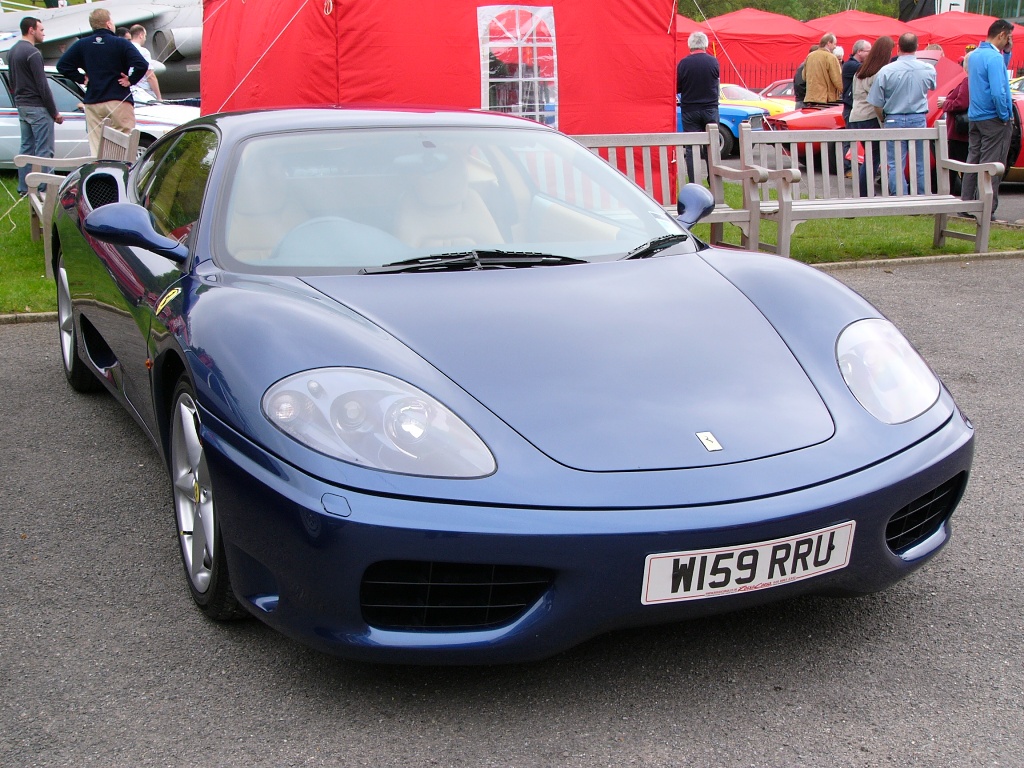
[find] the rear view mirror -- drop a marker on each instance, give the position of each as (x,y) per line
(695,202)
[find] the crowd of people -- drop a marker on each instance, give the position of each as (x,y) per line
(878,89)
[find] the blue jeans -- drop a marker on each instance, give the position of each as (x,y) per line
(905,121)
(36,139)
(697,120)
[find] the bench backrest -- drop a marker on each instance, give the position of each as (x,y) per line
(654,160)
(117,145)
(822,152)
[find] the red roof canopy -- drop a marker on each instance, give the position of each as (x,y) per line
(851,26)
(749,38)
(953,30)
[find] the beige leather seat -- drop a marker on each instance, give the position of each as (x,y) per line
(262,211)
(442,210)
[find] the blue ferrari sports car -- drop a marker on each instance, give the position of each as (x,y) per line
(445,387)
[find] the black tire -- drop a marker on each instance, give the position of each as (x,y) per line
(206,569)
(726,141)
(78,374)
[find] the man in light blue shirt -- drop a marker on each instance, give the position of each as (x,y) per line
(900,97)
(991,110)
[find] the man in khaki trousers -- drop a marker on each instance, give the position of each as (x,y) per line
(108,66)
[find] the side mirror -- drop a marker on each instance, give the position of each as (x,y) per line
(130,224)
(695,202)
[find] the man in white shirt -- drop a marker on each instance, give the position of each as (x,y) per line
(149,83)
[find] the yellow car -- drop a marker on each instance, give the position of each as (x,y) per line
(744,97)
(1017,84)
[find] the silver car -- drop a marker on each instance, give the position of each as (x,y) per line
(153,118)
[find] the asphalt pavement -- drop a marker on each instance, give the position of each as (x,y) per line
(1011,204)
(103,660)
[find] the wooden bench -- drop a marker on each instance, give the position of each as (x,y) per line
(653,160)
(800,197)
(114,145)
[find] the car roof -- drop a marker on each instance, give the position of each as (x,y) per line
(238,125)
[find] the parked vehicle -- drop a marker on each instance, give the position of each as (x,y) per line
(153,118)
(439,387)
(780,90)
(730,116)
(739,96)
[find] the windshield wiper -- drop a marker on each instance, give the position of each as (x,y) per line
(656,245)
(469,260)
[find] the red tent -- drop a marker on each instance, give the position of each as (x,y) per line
(551,59)
(851,26)
(953,30)
(755,47)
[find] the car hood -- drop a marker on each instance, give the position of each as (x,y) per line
(170,114)
(623,366)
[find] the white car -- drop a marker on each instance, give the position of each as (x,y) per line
(153,118)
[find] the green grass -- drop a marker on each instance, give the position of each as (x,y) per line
(23,283)
(24,287)
(889,237)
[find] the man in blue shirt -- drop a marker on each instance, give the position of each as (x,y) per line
(109,65)
(991,109)
(900,98)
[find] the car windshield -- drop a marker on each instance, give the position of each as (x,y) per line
(783,89)
(356,200)
(738,93)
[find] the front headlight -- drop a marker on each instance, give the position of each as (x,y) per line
(884,372)
(375,420)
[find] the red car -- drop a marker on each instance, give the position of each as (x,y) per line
(780,89)
(948,73)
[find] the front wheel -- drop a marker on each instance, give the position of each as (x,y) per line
(76,372)
(726,142)
(202,548)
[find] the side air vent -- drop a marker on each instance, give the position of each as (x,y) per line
(413,595)
(922,517)
(101,189)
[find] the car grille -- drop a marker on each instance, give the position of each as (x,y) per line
(923,517)
(101,189)
(413,595)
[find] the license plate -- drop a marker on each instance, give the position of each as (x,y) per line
(697,574)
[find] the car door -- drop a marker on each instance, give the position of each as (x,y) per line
(70,138)
(170,182)
(119,289)
(10,129)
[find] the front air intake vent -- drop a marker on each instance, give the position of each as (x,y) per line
(413,595)
(923,517)
(100,190)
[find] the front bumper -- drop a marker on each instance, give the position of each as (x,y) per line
(298,549)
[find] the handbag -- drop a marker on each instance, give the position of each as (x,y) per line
(960,123)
